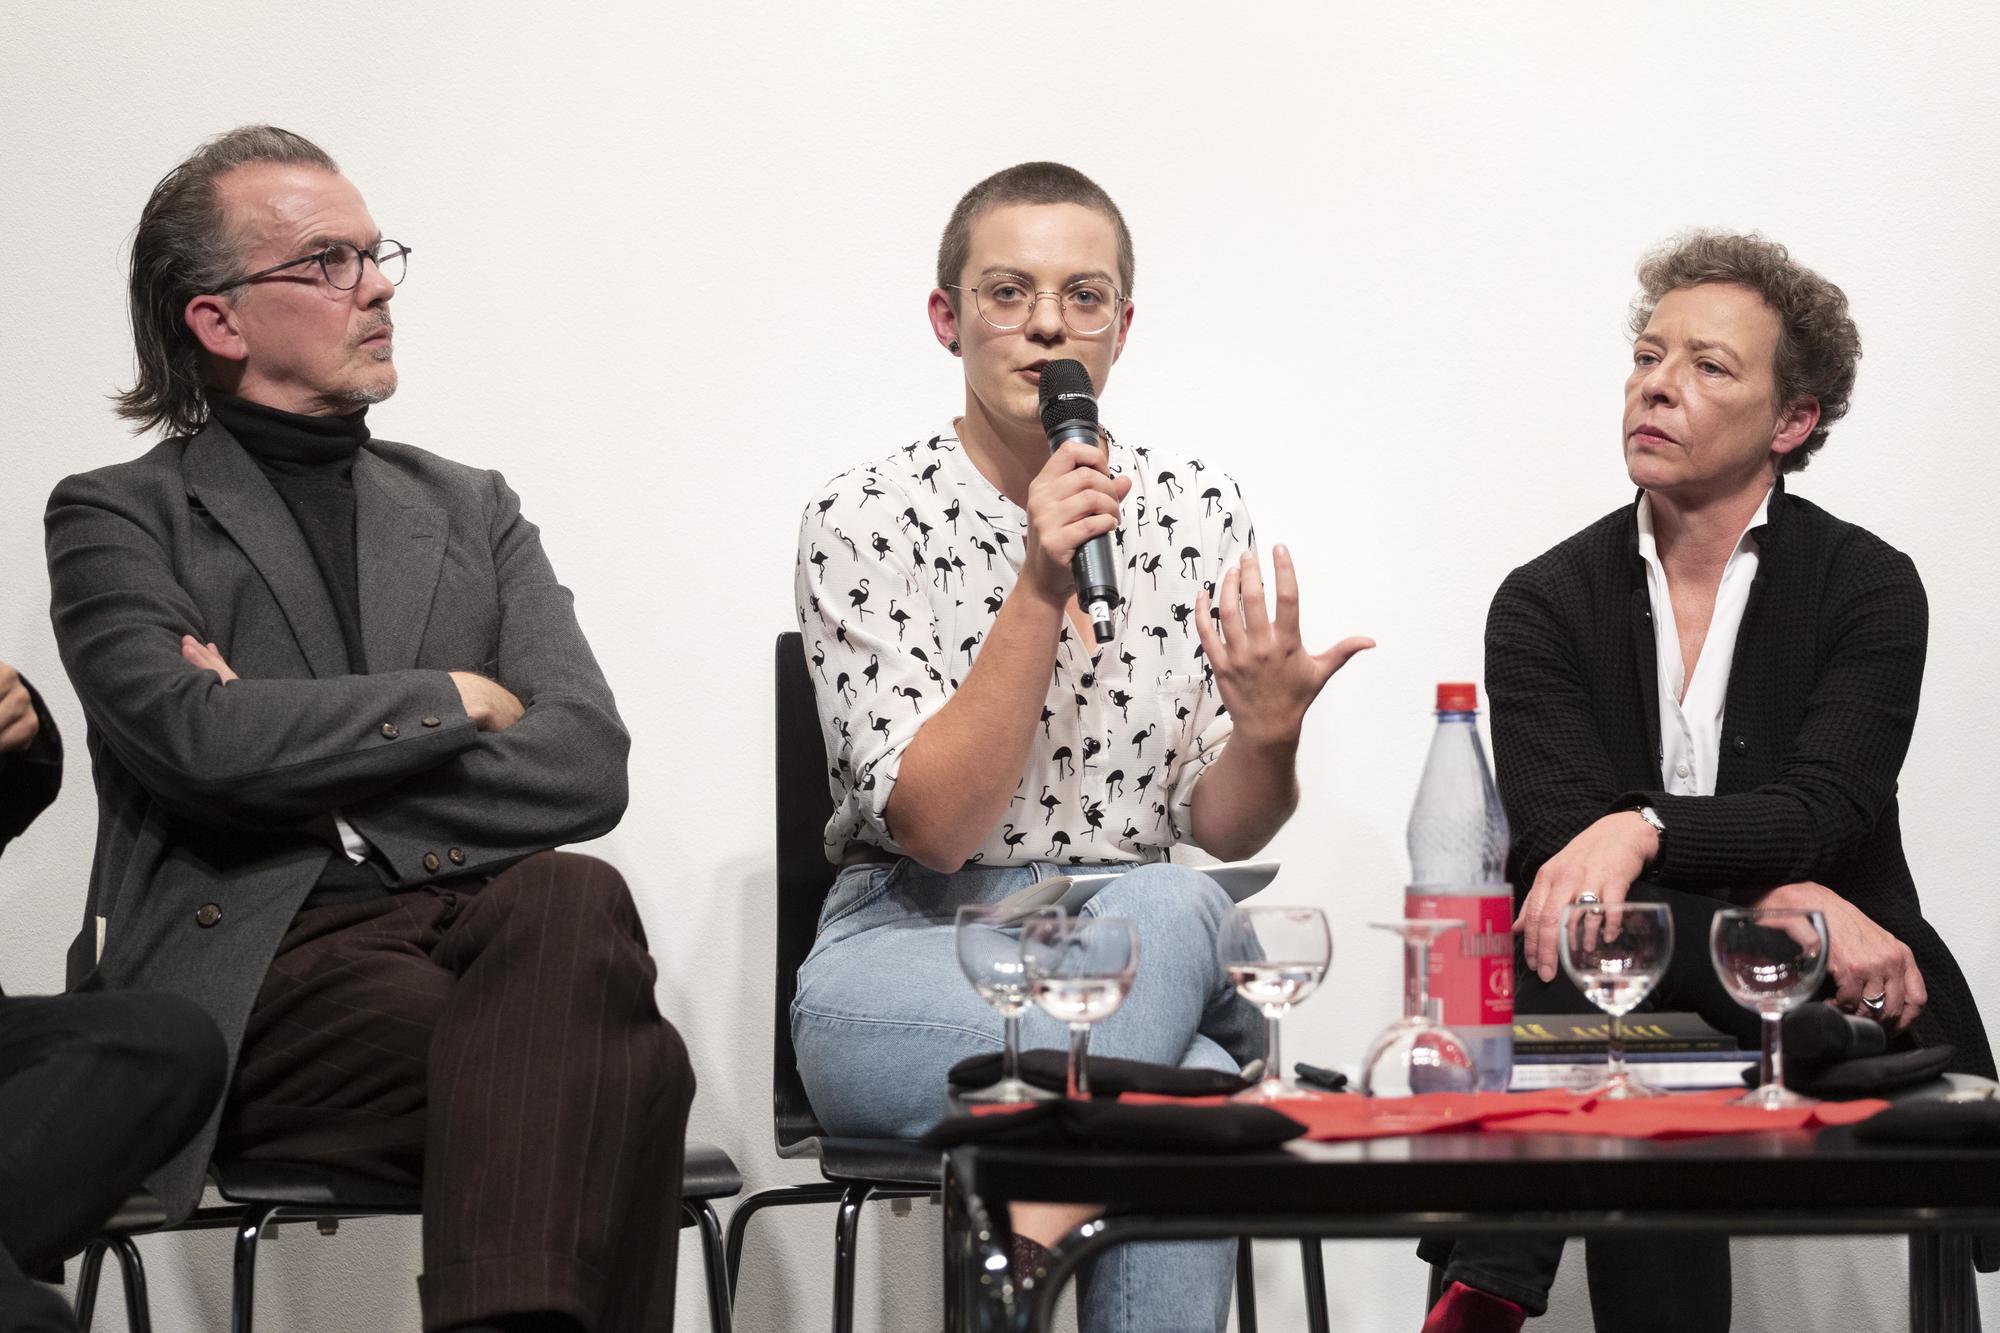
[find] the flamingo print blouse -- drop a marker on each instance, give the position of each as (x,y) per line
(903,565)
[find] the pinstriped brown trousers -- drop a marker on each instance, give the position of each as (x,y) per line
(500,1044)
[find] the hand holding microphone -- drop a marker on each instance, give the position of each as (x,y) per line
(1077,498)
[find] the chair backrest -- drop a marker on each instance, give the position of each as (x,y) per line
(804,875)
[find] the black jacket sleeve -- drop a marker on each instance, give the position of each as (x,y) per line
(30,778)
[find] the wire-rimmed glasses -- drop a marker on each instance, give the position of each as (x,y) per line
(341,265)
(1007,301)
(1079,970)
(1616,953)
(988,940)
(1417,1053)
(1770,959)
(1274,957)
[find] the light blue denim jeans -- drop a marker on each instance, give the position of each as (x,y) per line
(883,1012)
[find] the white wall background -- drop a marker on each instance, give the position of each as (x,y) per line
(670,273)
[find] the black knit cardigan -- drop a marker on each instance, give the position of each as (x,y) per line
(1822,699)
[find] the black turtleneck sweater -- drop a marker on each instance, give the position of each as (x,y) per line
(310,463)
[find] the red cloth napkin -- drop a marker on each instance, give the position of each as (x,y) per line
(1330,1118)
(1687,1115)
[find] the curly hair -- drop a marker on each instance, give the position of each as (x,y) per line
(1818,344)
(183,249)
(1028,183)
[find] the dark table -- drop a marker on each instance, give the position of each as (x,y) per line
(1783,1183)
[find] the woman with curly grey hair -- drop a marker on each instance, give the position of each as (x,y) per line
(1703,699)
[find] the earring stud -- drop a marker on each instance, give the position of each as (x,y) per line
(953,346)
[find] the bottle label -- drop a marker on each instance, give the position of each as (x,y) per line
(1472,968)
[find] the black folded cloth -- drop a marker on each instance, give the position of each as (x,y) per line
(1109,1076)
(1231,1128)
(1839,1057)
(1871,1075)
(1933,1121)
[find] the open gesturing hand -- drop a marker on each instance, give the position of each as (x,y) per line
(1266,677)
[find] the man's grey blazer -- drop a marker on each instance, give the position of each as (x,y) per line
(215,801)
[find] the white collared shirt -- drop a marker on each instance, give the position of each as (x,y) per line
(1691,710)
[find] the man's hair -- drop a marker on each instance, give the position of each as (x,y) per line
(1818,344)
(183,249)
(1029,183)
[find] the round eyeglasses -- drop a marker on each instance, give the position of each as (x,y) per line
(341,265)
(1008,302)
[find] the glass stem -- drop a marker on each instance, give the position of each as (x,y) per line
(1771,1066)
(1615,1051)
(1417,976)
(1274,1069)
(1010,1055)
(1079,1052)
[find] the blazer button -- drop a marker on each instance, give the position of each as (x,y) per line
(457,856)
(1741,745)
(430,861)
(207,915)
(389,730)
(430,721)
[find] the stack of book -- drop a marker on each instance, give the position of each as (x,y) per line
(1665,1050)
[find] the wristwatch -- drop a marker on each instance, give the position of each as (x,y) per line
(1652,816)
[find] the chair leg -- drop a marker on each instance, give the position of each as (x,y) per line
(241,1312)
(819,1191)
(1317,1318)
(132,1270)
(1246,1288)
(845,1233)
(715,1267)
(86,1282)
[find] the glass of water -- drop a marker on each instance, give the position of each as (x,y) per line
(1079,970)
(988,939)
(1275,957)
(1616,953)
(1770,959)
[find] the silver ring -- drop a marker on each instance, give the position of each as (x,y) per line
(1876,1002)
(1590,898)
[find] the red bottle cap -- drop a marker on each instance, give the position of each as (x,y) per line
(1458,697)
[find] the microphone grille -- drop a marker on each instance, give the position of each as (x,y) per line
(1067,394)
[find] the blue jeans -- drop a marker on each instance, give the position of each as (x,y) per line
(883,1012)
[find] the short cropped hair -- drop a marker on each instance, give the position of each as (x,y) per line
(1028,183)
(183,249)
(1818,344)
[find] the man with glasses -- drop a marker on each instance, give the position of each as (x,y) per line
(981,739)
(340,713)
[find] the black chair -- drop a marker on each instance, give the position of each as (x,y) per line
(855,1170)
(257,1196)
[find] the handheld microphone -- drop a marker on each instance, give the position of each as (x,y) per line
(1817,1034)
(1069,412)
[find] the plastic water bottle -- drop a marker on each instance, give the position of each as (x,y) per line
(1458,871)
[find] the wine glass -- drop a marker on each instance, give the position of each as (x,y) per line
(1275,957)
(1770,959)
(1616,954)
(1417,1053)
(1079,969)
(988,939)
